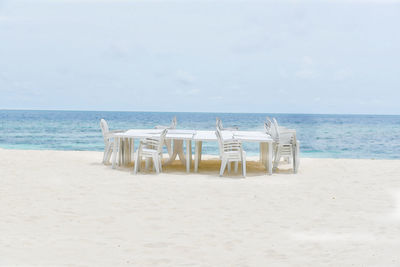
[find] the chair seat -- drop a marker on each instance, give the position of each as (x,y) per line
(230,151)
(285,146)
(237,155)
(148,150)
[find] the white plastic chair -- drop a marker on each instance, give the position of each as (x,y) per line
(108,140)
(168,143)
(150,148)
(221,128)
(230,150)
(286,146)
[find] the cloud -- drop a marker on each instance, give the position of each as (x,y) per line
(306,74)
(342,74)
(118,50)
(184,77)
(307,69)
(187,92)
(308,61)
(4,18)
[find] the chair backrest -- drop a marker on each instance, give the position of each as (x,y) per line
(267,125)
(173,123)
(220,140)
(227,145)
(267,128)
(155,143)
(104,129)
(218,124)
(268,121)
(275,130)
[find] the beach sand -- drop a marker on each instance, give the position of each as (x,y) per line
(66,208)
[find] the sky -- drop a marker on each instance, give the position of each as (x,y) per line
(340,57)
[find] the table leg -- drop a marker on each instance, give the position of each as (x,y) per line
(119,152)
(169,146)
(201,150)
(132,149)
(177,151)
(197,155)
(123,152)
(181,153)
(191,153)
(128,151)
(188,154)
(114,155)
(263,153)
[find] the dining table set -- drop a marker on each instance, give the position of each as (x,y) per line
(179,144)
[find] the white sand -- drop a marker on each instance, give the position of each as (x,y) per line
(65,208)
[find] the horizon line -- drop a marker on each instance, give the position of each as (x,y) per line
(155,111)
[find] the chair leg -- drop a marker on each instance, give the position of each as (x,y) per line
(120,142)
(293,156)
(137,163)
(105,153)
(244,164)
(229,167)
(109,154)
(296,157)
(236,166)
(223,166)
(156,164)
(277,157)
(147,164)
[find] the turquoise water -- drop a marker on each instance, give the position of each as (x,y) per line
(333,136)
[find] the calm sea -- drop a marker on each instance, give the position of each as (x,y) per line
(333,136)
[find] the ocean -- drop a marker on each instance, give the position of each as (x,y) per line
(321,136)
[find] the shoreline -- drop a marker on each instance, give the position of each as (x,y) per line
(66,208)
(249,156)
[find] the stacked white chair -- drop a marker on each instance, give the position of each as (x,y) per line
(285,145)
(230,150)
(108,140)
(150,148)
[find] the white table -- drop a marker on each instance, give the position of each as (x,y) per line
(177,136)
(180,136)
(243,136)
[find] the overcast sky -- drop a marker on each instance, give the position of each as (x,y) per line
(225,56)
